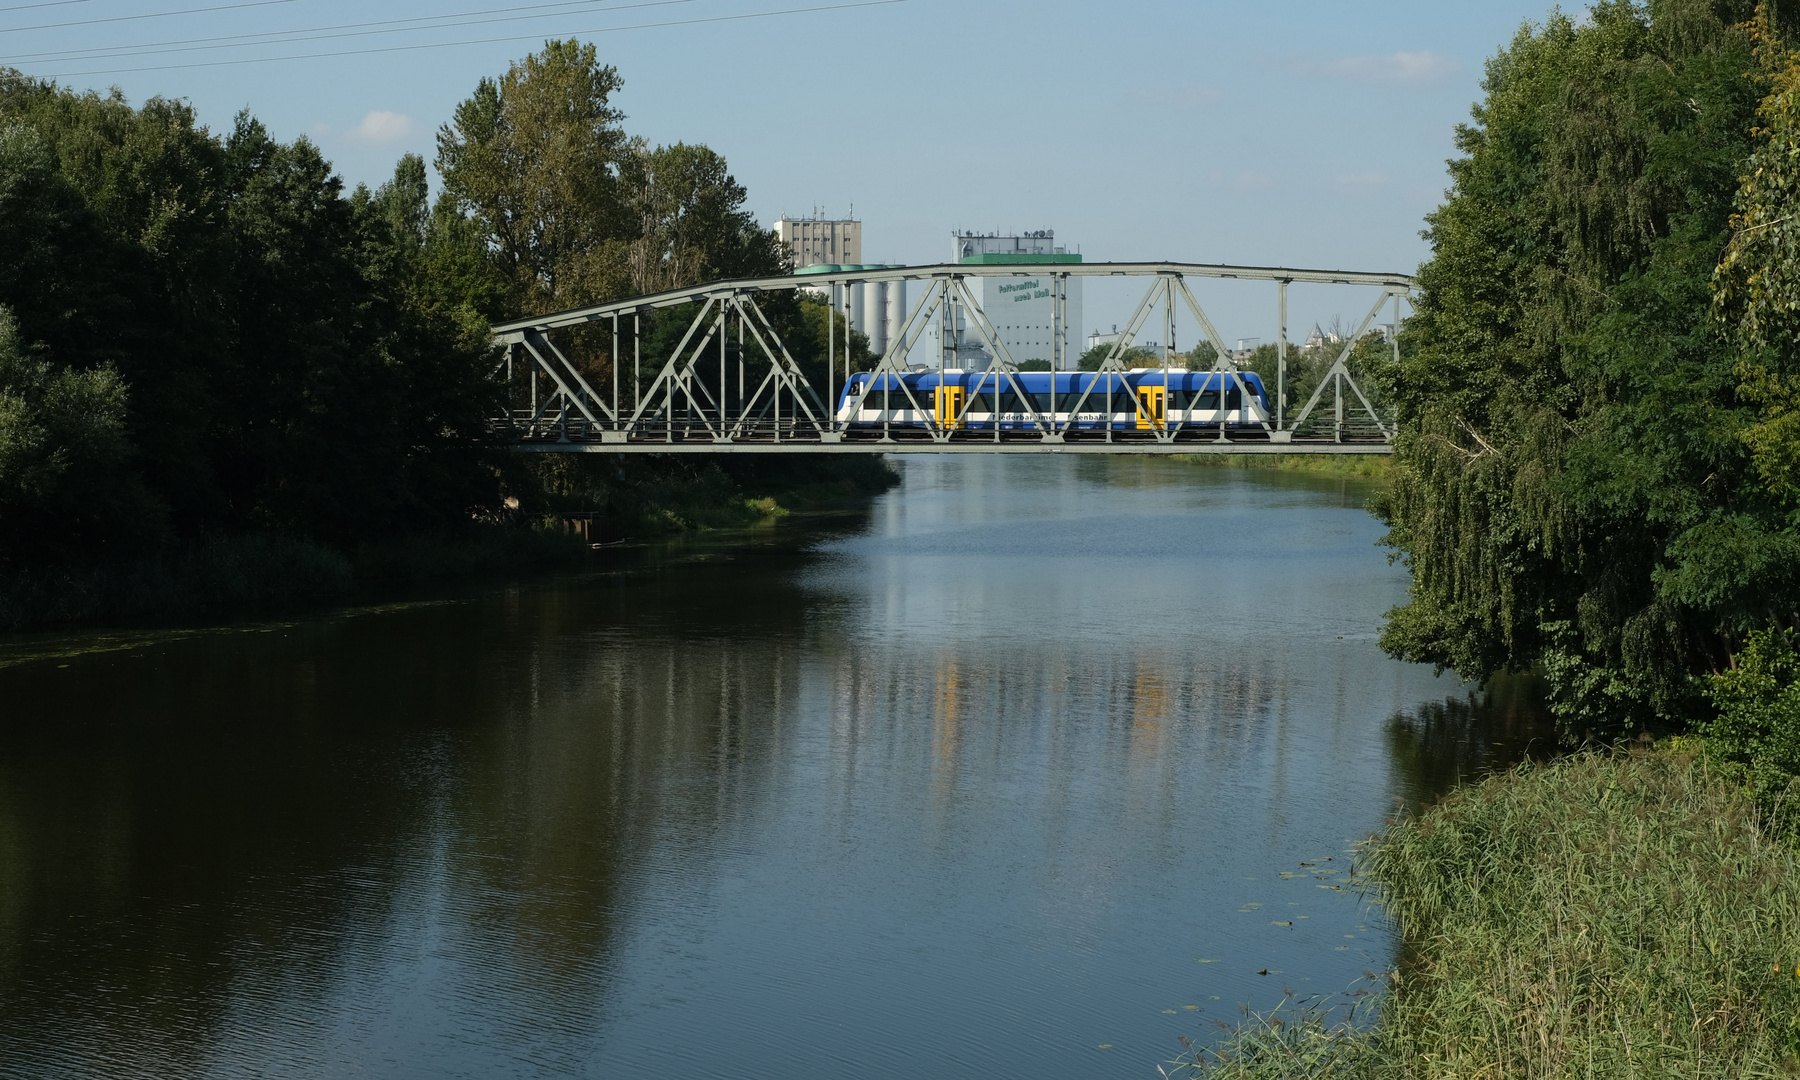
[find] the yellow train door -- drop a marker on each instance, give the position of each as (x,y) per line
(949,402)
(1155,400)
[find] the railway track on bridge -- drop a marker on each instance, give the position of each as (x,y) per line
(802,441)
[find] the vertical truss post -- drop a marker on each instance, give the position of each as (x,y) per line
(615,369)
(1395,336)
(831,342)
(1161,429)
(724,387)
(1281,355)
(637,376)
(847,330)
(1337,393)
(1057,315)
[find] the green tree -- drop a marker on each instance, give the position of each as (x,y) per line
(534,158)
(65,482)
(1571,493)
(1757,283)
(1136,356)
(691,222)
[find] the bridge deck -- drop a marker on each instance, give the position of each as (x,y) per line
(872,442)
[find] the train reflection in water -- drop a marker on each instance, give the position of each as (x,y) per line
(1143,399)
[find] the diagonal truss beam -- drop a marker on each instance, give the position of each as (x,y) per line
(894,361)
(1004,363)
(784,370)
(1218,344)
(1340,369)
(1113,365)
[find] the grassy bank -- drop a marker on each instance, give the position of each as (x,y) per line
(642,496)
(1610,915)
(1349,466)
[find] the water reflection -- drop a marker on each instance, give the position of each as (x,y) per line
(1441,744)
(1012,768)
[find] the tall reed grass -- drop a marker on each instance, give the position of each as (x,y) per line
(1346,466)
(1611,915)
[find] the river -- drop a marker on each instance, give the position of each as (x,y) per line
(1029,770)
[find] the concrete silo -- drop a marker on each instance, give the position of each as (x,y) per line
(854,301)
(896,312)
(874,315)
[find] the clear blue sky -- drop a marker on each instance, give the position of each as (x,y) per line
(1311,133)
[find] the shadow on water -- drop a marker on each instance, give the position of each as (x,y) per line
(216,831)
(1441,745)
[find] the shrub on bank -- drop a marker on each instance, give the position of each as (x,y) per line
(1609,915)
(1757,728)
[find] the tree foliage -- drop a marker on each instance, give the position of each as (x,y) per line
(1573,491)
(1757,283)
(205,334)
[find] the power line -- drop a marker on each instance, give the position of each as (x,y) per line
(135,18)
(51,3)
(324,33)
(478,41)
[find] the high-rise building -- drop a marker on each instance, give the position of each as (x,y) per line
(1019,308)
(816,240)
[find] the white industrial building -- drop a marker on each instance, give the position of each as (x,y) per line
(1019,308)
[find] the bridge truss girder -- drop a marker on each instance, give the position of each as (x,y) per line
(682,408)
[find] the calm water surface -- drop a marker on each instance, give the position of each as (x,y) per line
(1013,775)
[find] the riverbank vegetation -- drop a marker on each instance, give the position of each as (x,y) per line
(1622,914)
(1597,480)
(1594,393)
(1374,467)
(223,375)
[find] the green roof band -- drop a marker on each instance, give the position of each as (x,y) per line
(1008,260)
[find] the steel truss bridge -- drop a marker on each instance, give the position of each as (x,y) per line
(689,405)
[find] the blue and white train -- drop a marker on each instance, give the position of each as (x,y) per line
(1142,399)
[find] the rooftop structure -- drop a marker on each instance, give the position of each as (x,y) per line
(815,240)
